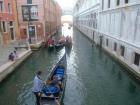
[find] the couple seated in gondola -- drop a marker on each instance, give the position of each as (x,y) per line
(50,41)
(54,84)
(62,40)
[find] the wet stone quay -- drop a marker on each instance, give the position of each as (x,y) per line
(93,77)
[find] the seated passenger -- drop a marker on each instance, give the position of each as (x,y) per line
(50,41)
(61,40)
(11,57)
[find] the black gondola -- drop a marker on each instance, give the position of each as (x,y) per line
(50,47)
(68,43)
(53,90)
(59,45)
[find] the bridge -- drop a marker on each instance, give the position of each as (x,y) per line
(67,19)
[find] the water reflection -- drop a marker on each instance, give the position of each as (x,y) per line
(113,69)
(68,51)
(119,75)
(93,78)
(100,76)
(131,88)
(26,95)
(75,90)
(16,90)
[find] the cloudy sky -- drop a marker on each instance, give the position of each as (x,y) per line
(66,4)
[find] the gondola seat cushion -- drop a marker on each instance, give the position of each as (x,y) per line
(47,90)
(59,71)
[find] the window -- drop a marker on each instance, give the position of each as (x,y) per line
(4,26)
(11,23)
(30,13)
(106,42)
(25,31)
(9,8)
(1,6)
(102,4)
(12,33)
(137,59)
(122,50)
(126,1)
(108,3)
(29,1)
(118,2)
(115,46)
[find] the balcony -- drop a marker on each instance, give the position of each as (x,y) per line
(30,12)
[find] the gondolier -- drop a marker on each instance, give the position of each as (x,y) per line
(37,86)
(53,89)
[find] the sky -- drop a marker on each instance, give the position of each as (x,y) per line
(66,4)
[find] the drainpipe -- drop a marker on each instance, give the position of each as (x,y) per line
(1,41)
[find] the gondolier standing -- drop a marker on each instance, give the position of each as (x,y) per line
(37,86)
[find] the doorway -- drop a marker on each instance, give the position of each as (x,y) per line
(12,34)
(32,34)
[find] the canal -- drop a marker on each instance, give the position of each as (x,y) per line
(94,78)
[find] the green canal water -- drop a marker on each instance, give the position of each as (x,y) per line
(94,78)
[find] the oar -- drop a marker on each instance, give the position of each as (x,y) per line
(57,102)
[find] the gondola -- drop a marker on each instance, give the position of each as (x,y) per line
(51,46)
(59,45)
(53,90)
(68,43)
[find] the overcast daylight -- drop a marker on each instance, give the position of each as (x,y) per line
(69,52)
(67,4)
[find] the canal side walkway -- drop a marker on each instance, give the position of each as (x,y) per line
(6,66)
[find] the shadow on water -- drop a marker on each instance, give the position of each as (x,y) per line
(131,88)
(68,51)
(119,75)
(113,69)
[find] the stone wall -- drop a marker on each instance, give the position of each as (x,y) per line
(113,26)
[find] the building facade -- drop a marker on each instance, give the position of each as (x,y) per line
(31,20)
(9,30)
(38,19)
(113,24)
(52,17)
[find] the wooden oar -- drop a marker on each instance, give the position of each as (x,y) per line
(57,101)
